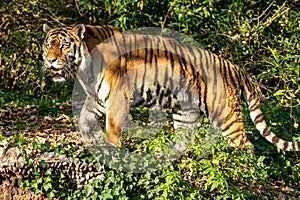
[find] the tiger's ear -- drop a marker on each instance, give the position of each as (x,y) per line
(79,30)
(46,28)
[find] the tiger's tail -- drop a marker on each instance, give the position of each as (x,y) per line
(257,118)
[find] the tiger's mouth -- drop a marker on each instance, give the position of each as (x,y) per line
(58,74)
(57,71)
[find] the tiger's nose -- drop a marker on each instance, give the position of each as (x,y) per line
(51,60)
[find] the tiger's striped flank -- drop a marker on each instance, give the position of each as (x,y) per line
(120,70)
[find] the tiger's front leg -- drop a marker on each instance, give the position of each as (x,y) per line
(116,115)
(89,116)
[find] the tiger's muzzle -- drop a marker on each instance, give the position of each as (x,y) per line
(58,71)
(58,74)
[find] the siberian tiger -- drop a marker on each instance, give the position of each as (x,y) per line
(119,70)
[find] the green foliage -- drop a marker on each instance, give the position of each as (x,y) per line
(225,173)
(46,180)
(260,36)
(18,140)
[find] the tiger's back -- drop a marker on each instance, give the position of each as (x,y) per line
(136,69)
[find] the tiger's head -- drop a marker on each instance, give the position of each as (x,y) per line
(63,50)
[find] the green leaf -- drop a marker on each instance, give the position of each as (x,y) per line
(214,185)
(34,185)
(279,93)
(48,179)
(50,194)
(48,171)
(47,186)
(261,159)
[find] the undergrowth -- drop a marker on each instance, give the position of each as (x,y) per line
(260,36)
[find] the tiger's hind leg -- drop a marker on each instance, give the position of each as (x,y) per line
(186,115)
(233,126)
(185,118)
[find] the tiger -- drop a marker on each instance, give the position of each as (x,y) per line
(119,70)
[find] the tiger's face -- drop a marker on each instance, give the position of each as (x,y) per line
(63,51)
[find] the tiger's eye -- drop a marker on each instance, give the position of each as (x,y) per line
(65,45)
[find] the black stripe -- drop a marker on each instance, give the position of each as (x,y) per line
(185,121)
(275,140)
(165,50)
(232,74)
(266,132)
(285,145)
(228,126)
(149,95)
(192,65)
(130,46)
(239,73)
(232,133)
(100,32)
(104,32)
(247,83)
(237,80)
(160,97)
(172,61)
(106,98)
(158,41)
(205,103)
(225,72)
(199,77)
(172,56)
(198,57)
(157,91)
(75,49)
(259,118)
(156,69)
(136,45)
(139,103)
(151,52)
(102,113)
(221,63)
(143,82)
(91,33)
(205,56)
(65,35)
(215,78)
(181,56)
(100,85)
(101,103)
(251,97)
(254,106)
(182,64)
(110,30)
(145,50)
